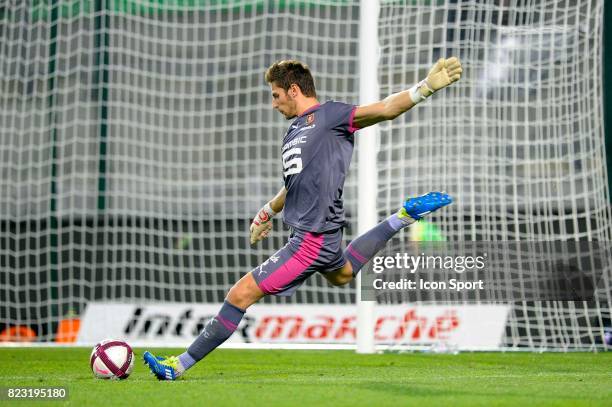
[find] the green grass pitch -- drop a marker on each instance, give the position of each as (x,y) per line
(325,378)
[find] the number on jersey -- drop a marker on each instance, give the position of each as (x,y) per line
(292,162)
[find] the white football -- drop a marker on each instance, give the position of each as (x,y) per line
(112,359)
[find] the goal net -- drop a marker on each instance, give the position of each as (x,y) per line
(137,140)
(518,141)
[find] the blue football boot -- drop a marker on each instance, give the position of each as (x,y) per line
(420,206)
(162,368)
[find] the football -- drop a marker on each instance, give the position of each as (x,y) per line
(112,359)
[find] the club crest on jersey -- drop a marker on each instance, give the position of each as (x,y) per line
(310,119)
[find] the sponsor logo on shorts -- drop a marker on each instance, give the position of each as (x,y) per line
(274,259)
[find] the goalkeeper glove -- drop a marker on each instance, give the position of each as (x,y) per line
(442,74)
(261,225)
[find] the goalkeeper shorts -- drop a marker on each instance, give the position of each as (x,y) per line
(304,254)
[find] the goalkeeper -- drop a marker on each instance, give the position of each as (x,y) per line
(316,154)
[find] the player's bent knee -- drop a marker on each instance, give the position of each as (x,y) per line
(340,281)
(245,292)
(341,276)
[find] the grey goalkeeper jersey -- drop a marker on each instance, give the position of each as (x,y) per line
(316,154)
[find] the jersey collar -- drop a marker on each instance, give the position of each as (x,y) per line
(310,109)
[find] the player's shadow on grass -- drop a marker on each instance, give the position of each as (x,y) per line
(412,391)
(408,390)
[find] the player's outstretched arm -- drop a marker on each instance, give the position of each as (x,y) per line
(443,73)
(262,224)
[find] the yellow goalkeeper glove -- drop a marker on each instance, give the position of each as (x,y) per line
(262,224)
(442,74)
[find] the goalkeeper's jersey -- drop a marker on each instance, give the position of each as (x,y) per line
(316,155)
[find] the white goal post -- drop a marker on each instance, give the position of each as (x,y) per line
(367,180)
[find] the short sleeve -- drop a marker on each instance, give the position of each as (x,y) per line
(343,114)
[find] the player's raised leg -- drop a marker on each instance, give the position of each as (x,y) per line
(365,246)
(241,296)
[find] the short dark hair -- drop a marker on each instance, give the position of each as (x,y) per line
(285,73)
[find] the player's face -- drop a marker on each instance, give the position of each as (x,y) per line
(283,102)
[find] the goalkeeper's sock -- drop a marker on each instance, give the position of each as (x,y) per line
(185,362)
(216,331)
(365,246)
